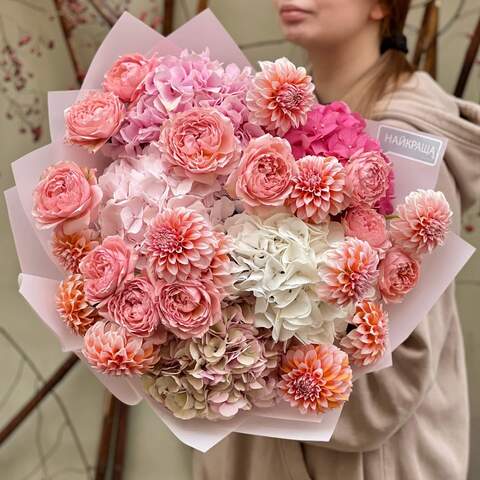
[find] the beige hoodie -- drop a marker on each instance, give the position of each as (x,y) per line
(410,421)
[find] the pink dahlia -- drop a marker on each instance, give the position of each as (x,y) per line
(110,349)
(281,96)
(423,222)
(315,378)
(366,343)
(179,244)
(348,272)
(317,189)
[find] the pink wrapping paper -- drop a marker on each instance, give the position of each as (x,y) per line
(40,274)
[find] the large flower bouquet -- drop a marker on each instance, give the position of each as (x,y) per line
(227,243)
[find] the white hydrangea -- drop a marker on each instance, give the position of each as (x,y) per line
(276,260)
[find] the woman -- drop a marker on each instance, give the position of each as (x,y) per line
(410,421)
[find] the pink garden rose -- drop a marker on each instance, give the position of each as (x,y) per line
(366,224)
(126,74)
(133,306)
(199,145)
(66,195)
(368,177)
(91,121)
(188,309)
(106,267)
(399,274)
(265,174)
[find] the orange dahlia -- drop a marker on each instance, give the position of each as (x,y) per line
(348,272)
(179,244)
(69,250)
(73,307)
(317,189)
(366,343)
(110,349)
(316,378)
(281,96)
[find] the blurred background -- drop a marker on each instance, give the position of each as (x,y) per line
(47,45)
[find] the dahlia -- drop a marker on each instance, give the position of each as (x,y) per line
(423,222)
(348,272)
(315,378)
(69,250)
(72,306)
(219,271)
(281,96)
(179,244)
(366,343)
(318,189)
(110,349)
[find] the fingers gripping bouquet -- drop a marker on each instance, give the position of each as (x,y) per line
(241,248)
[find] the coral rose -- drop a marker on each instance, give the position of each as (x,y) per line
(106,267)
(265,174)
(366,224)
(133,306)
(126,75)
(199,144)
(66,195)
(91,121)
(399,273)
(316,378)
(368,177)
(189,308)
(423,222)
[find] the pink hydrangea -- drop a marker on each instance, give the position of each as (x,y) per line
(177,84)
(331,130)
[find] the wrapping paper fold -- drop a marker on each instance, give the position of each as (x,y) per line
(40,275)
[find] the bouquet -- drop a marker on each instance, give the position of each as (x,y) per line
(227,244)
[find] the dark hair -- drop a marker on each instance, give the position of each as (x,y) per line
(394,66)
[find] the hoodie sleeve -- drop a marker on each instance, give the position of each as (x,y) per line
(382,402)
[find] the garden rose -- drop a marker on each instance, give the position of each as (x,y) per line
(188,308)
(125,76)
(92,121)
(199,144)
(366,224)
(66,195)
(367,178)
(265,174)
(106,267)
(134,307)
(398,274)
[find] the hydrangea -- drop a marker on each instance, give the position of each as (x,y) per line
(232,367)
(276,261)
